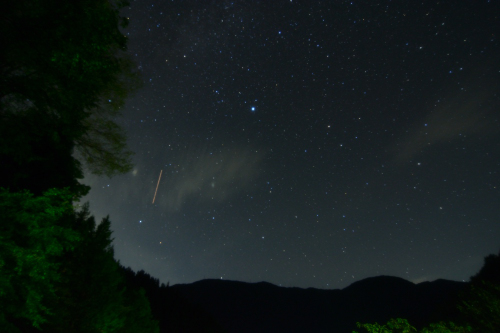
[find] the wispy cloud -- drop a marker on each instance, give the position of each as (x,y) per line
(452,120)
(207,175)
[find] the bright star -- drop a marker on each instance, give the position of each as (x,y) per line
(253,108)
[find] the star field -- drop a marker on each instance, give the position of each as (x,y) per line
(309,144)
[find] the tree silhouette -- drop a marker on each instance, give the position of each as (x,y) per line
(65,76)
(33,239)
(36,154)
(92,294)
(172,311)
(479,307)
(490,272)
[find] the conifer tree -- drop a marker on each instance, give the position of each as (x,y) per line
(64,76)
(92,294)
(33,240)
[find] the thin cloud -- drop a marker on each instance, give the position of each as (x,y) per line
(207,175)
(454,119)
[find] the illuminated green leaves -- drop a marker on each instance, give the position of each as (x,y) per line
(33,237)
(399,325)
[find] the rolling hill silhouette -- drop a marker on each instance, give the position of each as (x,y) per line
(263,307)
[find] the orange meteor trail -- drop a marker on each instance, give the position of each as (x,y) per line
(157,186)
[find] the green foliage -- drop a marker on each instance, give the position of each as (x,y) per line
(394,325)
(58,272)
(446,328)
(92,295)
(138,313)
(32,242)
(65,77)
(481,307)
(65,62)
(402,326)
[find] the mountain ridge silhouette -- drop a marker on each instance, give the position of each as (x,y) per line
(264,307)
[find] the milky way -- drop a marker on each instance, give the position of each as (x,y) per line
(309,144)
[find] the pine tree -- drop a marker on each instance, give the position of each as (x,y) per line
(33,240)
(93,296)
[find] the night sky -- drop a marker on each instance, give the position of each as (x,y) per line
(308,143)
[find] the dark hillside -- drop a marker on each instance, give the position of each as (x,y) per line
(263,307)
(174,313)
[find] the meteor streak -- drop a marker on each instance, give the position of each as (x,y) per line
(157,186)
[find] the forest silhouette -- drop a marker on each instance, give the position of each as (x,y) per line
(65,74)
